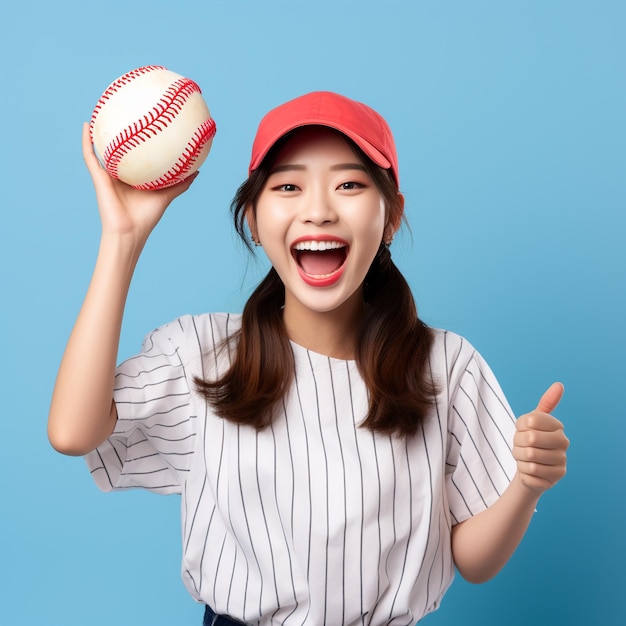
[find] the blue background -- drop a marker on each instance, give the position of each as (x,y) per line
(509,119)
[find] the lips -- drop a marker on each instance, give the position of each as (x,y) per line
(320,260)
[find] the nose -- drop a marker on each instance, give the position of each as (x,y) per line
(318,208)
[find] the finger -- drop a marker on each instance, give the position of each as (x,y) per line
(170,193)
(543,440)
(538,422)
(551,474)
(552,456)
(179,188)
(537,485)
(93,165)
(551,398)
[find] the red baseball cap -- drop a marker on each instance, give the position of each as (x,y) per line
(357,121)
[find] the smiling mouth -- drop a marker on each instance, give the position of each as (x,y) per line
(320,259)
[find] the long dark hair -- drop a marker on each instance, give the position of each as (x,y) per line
(392,347)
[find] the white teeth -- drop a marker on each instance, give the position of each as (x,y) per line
(320,246)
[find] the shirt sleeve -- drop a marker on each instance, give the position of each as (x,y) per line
(152,444)
(481,426)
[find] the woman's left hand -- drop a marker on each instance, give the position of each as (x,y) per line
(540,444)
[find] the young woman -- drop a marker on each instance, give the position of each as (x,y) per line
(336,457)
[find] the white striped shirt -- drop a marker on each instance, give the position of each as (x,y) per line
(313,520)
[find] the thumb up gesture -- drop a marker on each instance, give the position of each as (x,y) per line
(540,444)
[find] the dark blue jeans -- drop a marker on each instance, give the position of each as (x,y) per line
(211,619)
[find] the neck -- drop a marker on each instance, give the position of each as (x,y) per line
(332,333)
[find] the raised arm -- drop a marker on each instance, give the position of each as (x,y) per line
(484,543)
(82,412)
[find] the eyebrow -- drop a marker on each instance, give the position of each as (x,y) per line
(348,166)
(287,168)
(291,167)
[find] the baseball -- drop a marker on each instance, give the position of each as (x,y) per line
(151,128)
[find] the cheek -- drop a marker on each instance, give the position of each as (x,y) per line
(370,224)
(268,220)
(270,212)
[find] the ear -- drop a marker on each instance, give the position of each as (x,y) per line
(394,220)
(251,220)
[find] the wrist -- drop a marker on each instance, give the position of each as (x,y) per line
(525,491)
(124,248)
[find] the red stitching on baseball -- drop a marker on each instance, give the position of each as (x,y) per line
(115,86)
(162,114)
(179,171)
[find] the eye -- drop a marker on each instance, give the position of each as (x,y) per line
(287,187)
(349,186)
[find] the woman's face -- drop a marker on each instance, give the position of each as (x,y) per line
(320,219)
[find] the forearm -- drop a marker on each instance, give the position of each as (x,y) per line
(483,544)
(82,414)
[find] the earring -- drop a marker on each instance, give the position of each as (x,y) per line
(254,241)
(388,234)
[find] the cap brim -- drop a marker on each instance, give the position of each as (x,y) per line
(373,153)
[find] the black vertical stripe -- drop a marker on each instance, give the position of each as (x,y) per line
(378,520)
(430,517)
(308,462)
(191,578)
(217,567)
(205,543)
(401,579)
(205,465)
(267,530)
(247,523)
(485,437)
(319,421)
(477,450)
(471,477)
(361,482)
(437,553)
(393,511)
(345,496)
(104,467)
(232,580)
(293,468)
(293,586)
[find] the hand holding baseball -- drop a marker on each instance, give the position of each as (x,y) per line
(123,209)
(540,444)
